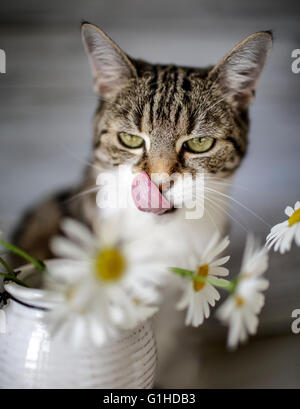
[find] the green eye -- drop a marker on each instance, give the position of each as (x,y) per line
(199,145)
(130,141)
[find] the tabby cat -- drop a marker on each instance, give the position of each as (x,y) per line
(165,120)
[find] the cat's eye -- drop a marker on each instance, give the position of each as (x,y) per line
(199,145)
(130,141)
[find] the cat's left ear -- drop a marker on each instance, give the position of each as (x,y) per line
(111,67)
(239,71)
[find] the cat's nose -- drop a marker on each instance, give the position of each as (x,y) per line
(147,195)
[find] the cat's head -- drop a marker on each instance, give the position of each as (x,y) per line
(168,119)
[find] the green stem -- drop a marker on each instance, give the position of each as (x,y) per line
(216,282)
(38,264)
(182,272)
(6,266)
(13,278)
(234,283)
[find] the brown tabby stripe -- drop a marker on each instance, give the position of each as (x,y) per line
(239,150)
(163,92)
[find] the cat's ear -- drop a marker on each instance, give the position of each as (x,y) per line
(111,67)
(238,72)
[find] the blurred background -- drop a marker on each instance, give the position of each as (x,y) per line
(46,108)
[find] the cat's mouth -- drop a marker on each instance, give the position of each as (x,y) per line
(147,196)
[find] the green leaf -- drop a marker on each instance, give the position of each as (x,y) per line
(38,264)
(7,267)
(13,278)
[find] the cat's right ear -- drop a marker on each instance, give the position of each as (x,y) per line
(111,67)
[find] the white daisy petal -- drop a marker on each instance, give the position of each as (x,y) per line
(219,261)
(285,243)
(206,309)
(198,317)
(297,235)
(282,235)
(226,309)
(185,299)
(219,271)
(78,232)
(243,333)
(218,249)
(211,245)
(67,249)
(235,330)
(190,312)
(214,295)
(249,249)
(289,211)
(251,322)
(67,271)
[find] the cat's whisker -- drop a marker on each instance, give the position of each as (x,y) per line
(216,206)
(228,184)
(240,204)
(83,193)
(231,208)
(209,215)
(211,201)
(210,176)
(219,180)
(83,161)
(190,192)
(221,209)
(211,218)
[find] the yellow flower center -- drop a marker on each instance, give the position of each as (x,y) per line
(110,264)
(202,272)
(239,301)
(295,217)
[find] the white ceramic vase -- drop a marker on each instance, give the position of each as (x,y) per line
(30,358)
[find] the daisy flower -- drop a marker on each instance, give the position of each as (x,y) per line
(282,235)
(242,307)
(198,296)
(106,284)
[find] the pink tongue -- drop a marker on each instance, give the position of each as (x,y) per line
(146,195)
